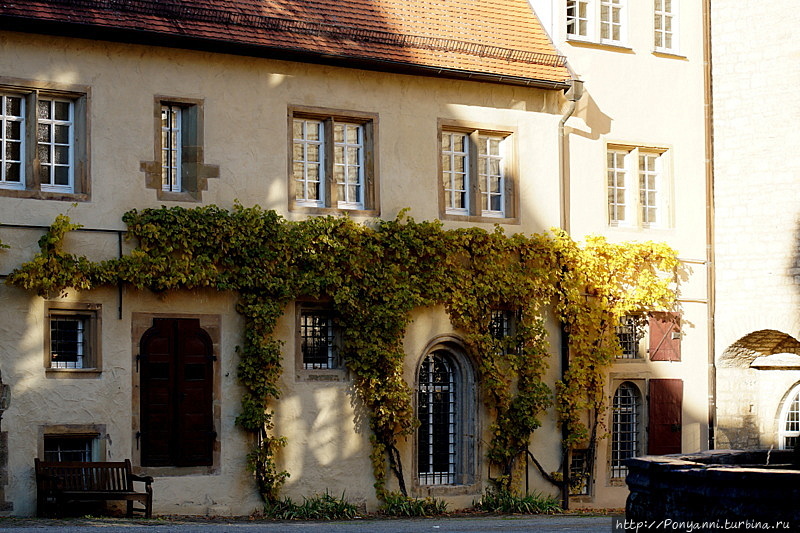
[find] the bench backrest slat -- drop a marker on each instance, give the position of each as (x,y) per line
(101,476)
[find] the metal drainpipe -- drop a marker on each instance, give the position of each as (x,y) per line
(710,257)
(573,94)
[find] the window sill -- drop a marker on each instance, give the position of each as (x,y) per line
(310,210)
(175,471)
(44,195)
(321,375)
(447,490)
(477,218)
(77,373)
(612,47)
(185,196)
(669,55)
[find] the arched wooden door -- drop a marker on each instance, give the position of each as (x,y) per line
(177,394)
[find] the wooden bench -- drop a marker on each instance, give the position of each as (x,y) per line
(58,483)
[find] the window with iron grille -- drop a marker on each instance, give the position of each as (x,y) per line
(579,473)
(437,445)
(789,429)
(68,341)
(625,427)
(72,336)
(630,334)
(69,447)
(502,326)
(318,340)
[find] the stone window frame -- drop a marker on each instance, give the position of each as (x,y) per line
(338,373)
(92,313)
(195,173)
(470,452)
(212,324)
(329,204)
(79,97)
(96,432)
(474,132)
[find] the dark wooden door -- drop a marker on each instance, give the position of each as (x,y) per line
(665,416)
(177,424)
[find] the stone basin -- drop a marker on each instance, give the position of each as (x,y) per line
(758,485)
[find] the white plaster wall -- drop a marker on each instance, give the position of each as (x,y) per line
(636,97)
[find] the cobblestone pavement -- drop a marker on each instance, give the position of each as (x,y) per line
(470,524)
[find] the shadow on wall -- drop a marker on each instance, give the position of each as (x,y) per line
(751,365)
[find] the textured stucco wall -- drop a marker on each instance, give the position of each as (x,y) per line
(245,116)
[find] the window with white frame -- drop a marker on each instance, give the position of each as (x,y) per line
(333,163)
(602,21)
(171,148)
(475,174)
(12,141)
(578,18)
(72,336)
(637,187)
(52,164)
(178,171)
(625,427)
(789,429)
(318,339)
(665,26)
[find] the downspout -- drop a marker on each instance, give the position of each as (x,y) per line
(710,216)
(573,94)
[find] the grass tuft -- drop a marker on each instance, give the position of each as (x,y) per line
(506,502)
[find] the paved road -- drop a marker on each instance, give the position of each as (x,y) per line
(504,524)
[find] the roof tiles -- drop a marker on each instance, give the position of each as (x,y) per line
(497,39)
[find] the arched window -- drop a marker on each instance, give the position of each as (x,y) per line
(445,440)
(625,425)
(789,429)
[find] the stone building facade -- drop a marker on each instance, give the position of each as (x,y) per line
(244,89)
(756,245)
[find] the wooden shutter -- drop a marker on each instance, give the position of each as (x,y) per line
(176,394)
(665,337)
(665,416)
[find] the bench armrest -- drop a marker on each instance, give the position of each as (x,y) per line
(143,479)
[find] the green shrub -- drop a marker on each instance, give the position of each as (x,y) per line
(396,504)
(504,501)
(319,507)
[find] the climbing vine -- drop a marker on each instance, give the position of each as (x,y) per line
(374,276)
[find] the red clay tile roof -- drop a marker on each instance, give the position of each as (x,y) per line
(501,40)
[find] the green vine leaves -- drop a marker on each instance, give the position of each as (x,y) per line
(374,275)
